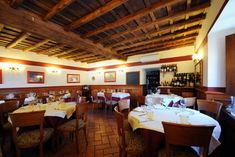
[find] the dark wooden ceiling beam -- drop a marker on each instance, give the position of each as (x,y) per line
(54,48)
(32,23)
(152,45)
(18,39)
(64,52)
(15,3)
(76,54)
(158,21)
(164,37)
(95,14)
(83,56)
(167,47)
(1,27)
(57,8)
(37,45)
(160,30)
(131,17)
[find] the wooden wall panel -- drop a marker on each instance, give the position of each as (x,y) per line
(230,66)
(38,90)
(134,90)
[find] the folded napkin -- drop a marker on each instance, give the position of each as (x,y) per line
(138,109)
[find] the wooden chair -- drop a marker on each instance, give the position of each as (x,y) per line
(109,102)
(129,142)
(124,106)
(184,136)
(211,108)
(29,138)
(140,100)
(5,125)
(95,99)
(75,125)
(190,102)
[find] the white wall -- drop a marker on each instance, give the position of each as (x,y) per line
(216,66)
(183,67)
(16,79)
(19,78)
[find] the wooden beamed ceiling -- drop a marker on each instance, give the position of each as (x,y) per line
(97,30)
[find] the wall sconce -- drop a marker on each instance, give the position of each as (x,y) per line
(197,57)
(53,70)
(13,67)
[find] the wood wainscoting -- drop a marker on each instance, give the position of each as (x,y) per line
(19,92)
(134,90)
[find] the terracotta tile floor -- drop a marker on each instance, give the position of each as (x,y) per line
(102,139)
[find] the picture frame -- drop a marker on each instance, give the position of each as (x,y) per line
(35,77)
(73,78)
(0,76)
(110,76)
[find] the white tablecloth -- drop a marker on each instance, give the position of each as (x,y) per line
(54,109)
(2,101)
(149,99)
(119,95)
(151,117)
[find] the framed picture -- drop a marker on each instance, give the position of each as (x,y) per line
(0,76)
(73,78)
(110,76)
(35,77)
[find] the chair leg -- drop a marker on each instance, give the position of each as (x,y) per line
(76,140)
(41,150)
(84,129)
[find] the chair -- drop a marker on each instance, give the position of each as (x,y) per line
(178,138)
(187,94)
(109,101)
(211,108)
(129,142)
(5,126)
(25,138)
(94,98)
(124,106)
(75,125)
(190,102)
(140,100)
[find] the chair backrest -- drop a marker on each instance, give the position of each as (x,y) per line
(81,111)
(108,96)
(26,119)
(120,126)
(124,104)
(190,101)
(187,94)
(6,108)
(187,135)
(140,100)
(212,108)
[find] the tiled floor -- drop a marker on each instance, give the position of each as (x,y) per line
(102,139)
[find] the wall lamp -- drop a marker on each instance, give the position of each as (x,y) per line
(197,57)
(13,67)
(53,70)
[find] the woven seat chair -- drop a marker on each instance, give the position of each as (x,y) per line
(29,138)
(180,137)
(75,125)
(109,102)
(5,125)
(129,142)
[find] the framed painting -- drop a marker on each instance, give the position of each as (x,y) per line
(0,76)
(110,76)
(73,78)
(35,77)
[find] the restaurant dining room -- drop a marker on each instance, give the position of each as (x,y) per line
(108,78)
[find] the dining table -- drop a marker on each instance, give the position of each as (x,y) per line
(166,98)
(56,112)
(115,95)
(150,117)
